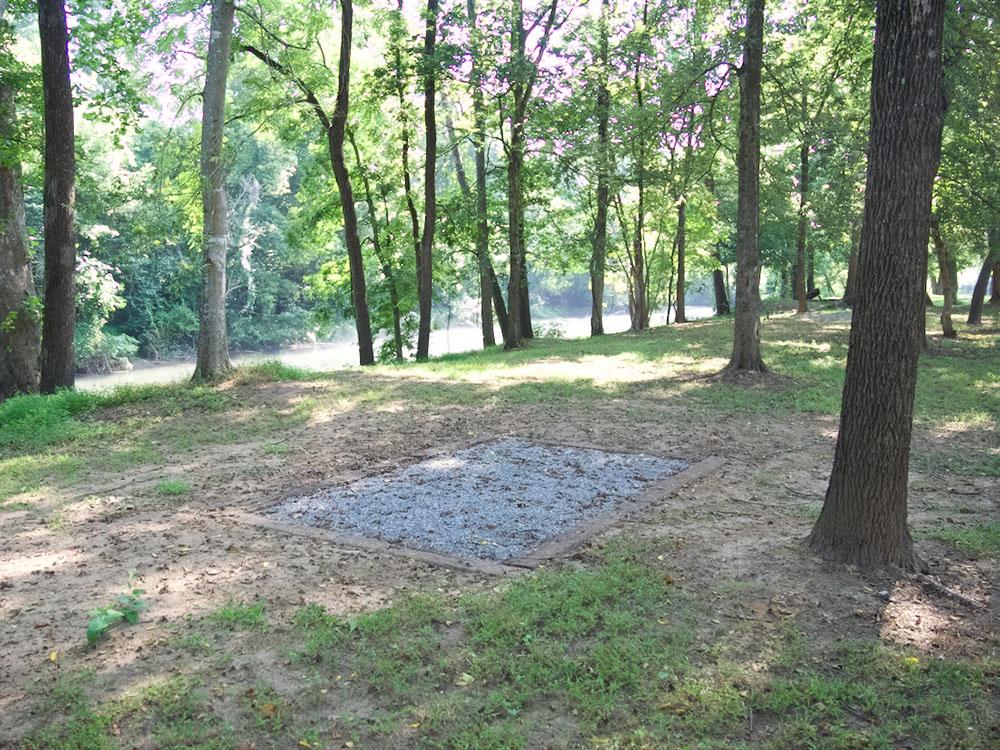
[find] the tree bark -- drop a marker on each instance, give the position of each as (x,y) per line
(384,260)
(335,136)
(515,158)
(58,366)
(487,277)
(599,255)
(979,290)
(801,292)
(213,345)
(994,284)
(20,342)
(680,316)
(721,292)
(746,355)
(425,282)
(863,520)
(947,282)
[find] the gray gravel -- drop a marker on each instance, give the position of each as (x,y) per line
(492,500)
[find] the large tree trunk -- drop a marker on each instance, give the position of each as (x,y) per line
(979,290)
(335,137)
(599,256)
(425,288)
(19,334)
(213,346)
(486,275)
(994,284)
(681,316)
(863,520)
(947,282)
(59,199)
(746,325)
(801,292)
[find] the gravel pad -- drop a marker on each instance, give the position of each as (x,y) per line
(492,500)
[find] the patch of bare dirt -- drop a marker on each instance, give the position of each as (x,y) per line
(734,536)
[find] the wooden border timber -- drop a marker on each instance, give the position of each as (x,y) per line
(554,547)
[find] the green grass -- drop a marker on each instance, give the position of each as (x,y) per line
(173,487)
(240,616)
(977,541)
(614,655)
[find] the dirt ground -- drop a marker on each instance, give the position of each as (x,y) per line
(744,523)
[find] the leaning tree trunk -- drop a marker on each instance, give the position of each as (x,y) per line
(58,201)
(599,257)
(19,334)
(863,520)
(213,346)
(425,281)
(979,290)
(680,316)
(801,293)
(947,282)
(335,136)
(746,355)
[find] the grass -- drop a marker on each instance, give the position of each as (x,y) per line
(977,541)
(240,616)
(611,656)
(173,487)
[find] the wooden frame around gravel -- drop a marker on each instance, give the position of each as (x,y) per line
(558,546)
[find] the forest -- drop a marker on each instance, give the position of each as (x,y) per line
(499,374)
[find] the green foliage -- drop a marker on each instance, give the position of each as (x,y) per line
(173,487)
(126,608)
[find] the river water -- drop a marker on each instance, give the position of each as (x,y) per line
(335,355)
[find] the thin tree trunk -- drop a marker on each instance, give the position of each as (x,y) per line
(425,282)
(947,327)
(335,137)
(979,290)
(681,316)
(398,37)
(801,292)
(515,158)
(599,256)
(721,292)
(863,520)
(213,346)
(20,342)
(59,198)
(384,261)
(487,277)
(498,302)
(746,355)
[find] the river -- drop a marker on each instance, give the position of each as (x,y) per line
(335,355)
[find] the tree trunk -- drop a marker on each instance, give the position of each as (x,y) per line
(994,284)
(681,316)
(335,137)
(947,283)
(979,290)
(746,355)
(425,288)
(487,277)
(801,292)
(19,335)
(599,256)
(59,198)
(721,292)
(384,260)
(515,158)
(213,346)
(863,520)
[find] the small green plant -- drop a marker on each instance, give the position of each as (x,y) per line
(173,487)
(241,616)
(126,608)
